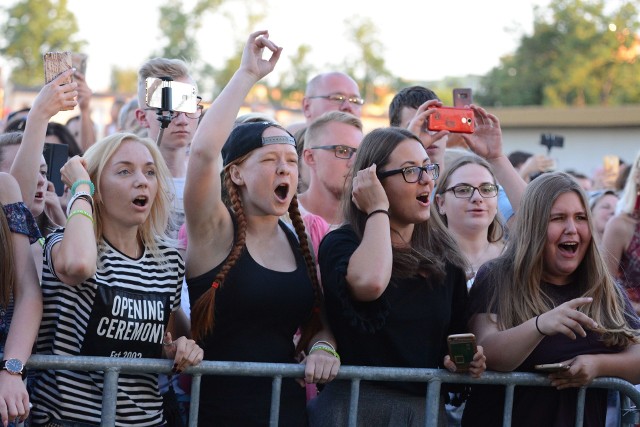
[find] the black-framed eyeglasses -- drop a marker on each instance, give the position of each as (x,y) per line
(413,174)
(465,191)
(339,98)
(174,114)
(340,151)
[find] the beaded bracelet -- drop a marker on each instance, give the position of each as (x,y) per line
(79,195)
(83,181)
(325,348)
(80,212)
(377,211)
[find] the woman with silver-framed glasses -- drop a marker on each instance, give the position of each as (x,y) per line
(467,203)
(394,283)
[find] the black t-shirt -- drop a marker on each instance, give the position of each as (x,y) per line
(406,327)
(257,313)
(536,406)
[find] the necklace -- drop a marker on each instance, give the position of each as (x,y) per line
(474,263)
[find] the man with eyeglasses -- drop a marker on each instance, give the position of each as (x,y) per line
(332,91)
(177,136)
(330,146)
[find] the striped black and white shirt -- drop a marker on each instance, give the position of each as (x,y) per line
(122,311)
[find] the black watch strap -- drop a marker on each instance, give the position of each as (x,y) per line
(22,372)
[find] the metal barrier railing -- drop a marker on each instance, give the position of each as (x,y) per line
(433,377)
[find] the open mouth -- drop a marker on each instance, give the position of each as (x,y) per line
(423,198)
(140,201)
(39,195)
(282,191)
(569,247)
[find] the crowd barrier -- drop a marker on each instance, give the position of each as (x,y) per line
(433,377)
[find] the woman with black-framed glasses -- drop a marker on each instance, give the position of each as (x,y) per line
(394,283)
(467,203)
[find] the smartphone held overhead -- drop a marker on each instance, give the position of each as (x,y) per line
(170,95)
(457,120)
(462,97)
(56,63)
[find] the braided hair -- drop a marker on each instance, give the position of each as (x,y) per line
(203,312)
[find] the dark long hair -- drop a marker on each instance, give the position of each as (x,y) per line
(431,245)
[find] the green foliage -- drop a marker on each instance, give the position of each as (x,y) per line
(33,27)
(368,66)
(124,81)
(293,82)
(581,52)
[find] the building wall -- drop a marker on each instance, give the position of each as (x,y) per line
(583,149)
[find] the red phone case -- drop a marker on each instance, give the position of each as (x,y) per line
(459,120)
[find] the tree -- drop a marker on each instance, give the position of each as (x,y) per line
(180,35)
(180,28)
(368,67)
(581,52)
(124,81)
(293,82)
(32,28)
(255,11)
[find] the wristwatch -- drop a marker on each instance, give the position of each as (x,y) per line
(14,367)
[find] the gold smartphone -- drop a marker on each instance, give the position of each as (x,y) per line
(552,367)
(462,347)
(56,63)
(79,61)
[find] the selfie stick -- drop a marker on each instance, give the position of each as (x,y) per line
(164,113)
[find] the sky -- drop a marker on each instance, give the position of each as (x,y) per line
(422,40)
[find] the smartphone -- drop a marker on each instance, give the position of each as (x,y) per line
(183,96)
(56,155)
(459,120)
(552,367)
(56,63)
(462,97)
(462,347)
(550,140)
(611,165)
(79,62)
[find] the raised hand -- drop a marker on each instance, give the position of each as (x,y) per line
(567,320)
(55,97)
(84,92)
(419,122)
(368,193)
(486,141)
(74,170)
(252,61)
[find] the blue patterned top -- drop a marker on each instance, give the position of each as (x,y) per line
(22,221)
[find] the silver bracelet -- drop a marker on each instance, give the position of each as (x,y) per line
(79,194)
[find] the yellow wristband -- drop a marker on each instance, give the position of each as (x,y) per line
(325,348)
(80,212)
